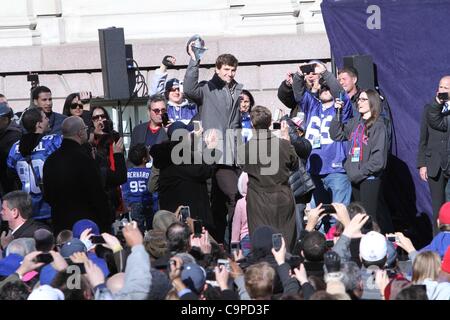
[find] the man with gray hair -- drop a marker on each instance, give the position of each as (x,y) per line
(151,132)
(72,183)
(17,211)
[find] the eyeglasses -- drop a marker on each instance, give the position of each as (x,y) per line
(362,99)
(99,116)
(158,111)
(76,105)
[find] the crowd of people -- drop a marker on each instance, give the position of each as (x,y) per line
(218,198)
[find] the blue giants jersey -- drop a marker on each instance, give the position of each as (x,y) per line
(327,156)
(135,190)
(15,161)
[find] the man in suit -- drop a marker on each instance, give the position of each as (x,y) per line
(17,211)
(72,182)
(151,132)
(432,159)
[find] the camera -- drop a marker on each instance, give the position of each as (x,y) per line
(308,68)
(393,238)
(33,77)
(97,240)
(235,246)
(329,208)
(276,125)
(198,228)
(44,257)
(443,96)
(185,213)
(165,119)
(276,241)
(108,129)
(225,263)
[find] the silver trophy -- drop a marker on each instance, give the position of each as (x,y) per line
(198,47)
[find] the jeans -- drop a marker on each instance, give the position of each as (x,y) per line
(142,214)
(333,187)
(245,245)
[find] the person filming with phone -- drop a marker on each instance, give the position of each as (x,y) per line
(326,162)
(150,133)
(432,160)
(108,153)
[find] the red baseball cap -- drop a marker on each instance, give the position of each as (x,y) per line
(444,214)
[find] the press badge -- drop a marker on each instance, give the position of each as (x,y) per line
(355,155)
(316,142)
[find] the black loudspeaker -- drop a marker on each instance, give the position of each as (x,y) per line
(131,71)
(114,66)
(364,66)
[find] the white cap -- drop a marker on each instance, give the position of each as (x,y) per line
(373,246)
(46,292)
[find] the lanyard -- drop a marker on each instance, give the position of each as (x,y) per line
(357,139)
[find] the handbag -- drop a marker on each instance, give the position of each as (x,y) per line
(301,184)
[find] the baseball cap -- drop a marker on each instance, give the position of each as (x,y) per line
(72,246)
(172,83)
(444,214)
(193,276)
(373,246)
(46,292)
(10,264)
(82,225)
(5,110)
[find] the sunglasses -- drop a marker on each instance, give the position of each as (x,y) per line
(158,111)
(174,89)
(76,105)
(98,117)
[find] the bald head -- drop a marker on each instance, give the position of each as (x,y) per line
(444,87)
(73,128)
(116,282)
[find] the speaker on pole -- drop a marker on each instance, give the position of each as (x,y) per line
(114,65)
(364,65)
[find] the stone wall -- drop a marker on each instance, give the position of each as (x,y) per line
(60,38)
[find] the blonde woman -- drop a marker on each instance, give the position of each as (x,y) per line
(426,268)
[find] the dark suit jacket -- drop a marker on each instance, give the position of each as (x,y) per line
(433,143)
(28,228)
(73,188)
(139,135)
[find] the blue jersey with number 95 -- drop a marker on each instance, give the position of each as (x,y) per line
(135,190)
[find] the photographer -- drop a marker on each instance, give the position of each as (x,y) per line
(326,162)
(433,148)
(108,153)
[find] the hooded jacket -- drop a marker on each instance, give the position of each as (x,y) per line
(373,147)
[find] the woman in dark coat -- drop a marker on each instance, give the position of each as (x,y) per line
(269,197)
(108,153)
(185,183)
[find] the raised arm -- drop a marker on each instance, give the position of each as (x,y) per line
(191,85)
(436,119)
